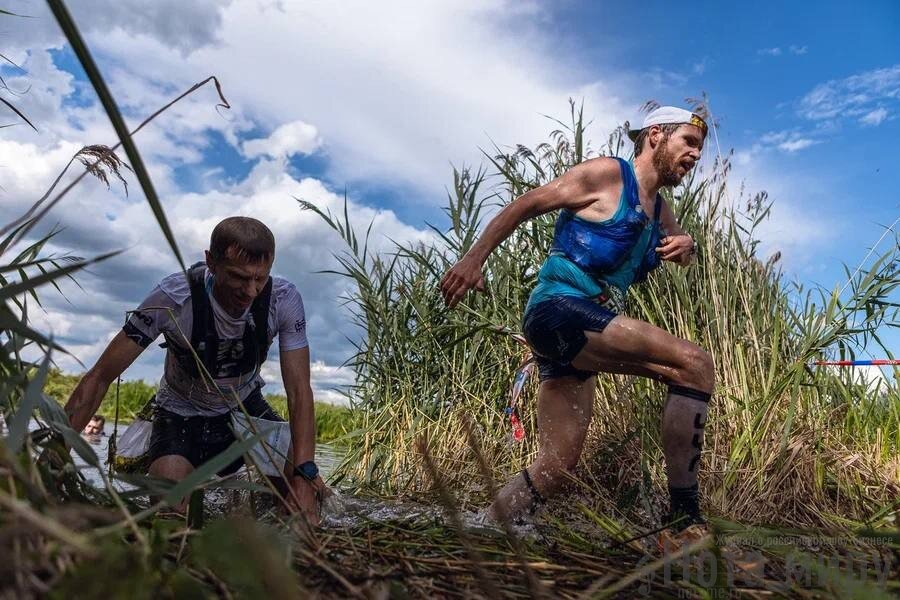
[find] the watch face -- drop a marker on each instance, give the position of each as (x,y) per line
(307,470)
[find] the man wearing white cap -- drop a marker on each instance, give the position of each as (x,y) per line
(613,229)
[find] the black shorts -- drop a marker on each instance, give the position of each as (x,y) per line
(554,328)
(198,439)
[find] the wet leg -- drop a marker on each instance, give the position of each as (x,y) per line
(174,467)
(564,413)
(634,347)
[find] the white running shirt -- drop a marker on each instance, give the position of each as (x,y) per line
(181,393)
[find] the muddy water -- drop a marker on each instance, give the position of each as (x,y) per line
(327,456)
(338,511)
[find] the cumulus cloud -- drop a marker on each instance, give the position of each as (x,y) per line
(798,50)
(769,51)
(396,99)
(395,94)
(97,220)
(305,246)
(291,138)
(854,96)
(436,83)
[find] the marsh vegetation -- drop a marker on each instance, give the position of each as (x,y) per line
(793,452)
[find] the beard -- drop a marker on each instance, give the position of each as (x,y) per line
(665,165)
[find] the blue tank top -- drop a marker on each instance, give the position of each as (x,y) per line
(594,258)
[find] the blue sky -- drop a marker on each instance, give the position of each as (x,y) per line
(380,101)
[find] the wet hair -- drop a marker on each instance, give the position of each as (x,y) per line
(667,129)
(100,418)
(247,239)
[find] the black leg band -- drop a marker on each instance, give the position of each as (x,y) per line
(536,495)
(687,392)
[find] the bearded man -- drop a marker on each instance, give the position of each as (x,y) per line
(613,229)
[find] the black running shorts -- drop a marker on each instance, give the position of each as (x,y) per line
(198,439)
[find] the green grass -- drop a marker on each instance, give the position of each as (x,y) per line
(132,395)
(332,422)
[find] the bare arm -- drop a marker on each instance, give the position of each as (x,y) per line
(578,187)
(301,409)
(677,246)
(88,394)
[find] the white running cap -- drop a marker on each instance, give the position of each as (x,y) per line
(669,114)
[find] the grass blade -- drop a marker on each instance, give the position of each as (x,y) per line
(27,285)
(18,426)
(18,112)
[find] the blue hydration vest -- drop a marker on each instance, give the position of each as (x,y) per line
(593,259)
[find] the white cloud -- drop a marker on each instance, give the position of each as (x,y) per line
(97,220)
(796,144)
(742,158)
(394,93)
(874,379)
(180,25)
(788,141)
(658,78)
(875,117)
(777,51)
(853,96)
(396,99)
(305,245)
(291,138)
(791,229)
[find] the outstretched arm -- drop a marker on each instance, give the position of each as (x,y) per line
(88,394)
(297,387)
(301,414)
(578,187)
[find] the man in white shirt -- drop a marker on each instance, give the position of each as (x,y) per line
(218,325)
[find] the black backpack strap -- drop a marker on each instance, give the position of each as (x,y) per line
(260,313)
(203,329)
(204,339)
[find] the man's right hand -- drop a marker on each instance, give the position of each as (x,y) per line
(462,277)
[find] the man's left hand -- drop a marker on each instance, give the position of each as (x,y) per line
(676,248)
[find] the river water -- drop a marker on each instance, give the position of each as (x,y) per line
(327,456)
(339,510)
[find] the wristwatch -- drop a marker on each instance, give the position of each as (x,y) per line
(308,470)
